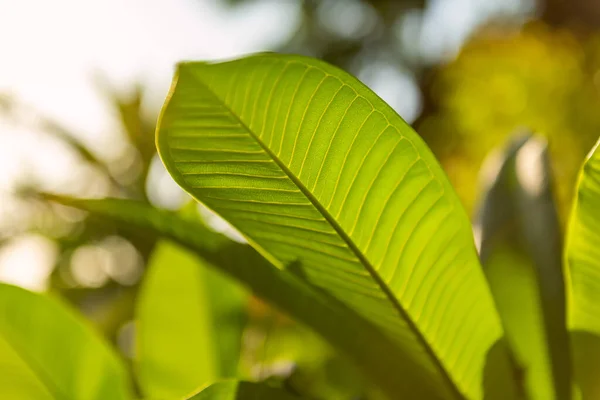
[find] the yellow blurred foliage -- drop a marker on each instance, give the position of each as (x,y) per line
(540,79)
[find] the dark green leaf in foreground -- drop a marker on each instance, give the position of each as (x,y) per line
(48,352)
(234,390)
(377,356)
(189,322)
(519,239)
(312,167)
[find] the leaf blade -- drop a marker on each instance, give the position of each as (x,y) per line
(583,247)
(178,349)
(582,266)
(521,251)
(60,351)
(381,360)
(378,261)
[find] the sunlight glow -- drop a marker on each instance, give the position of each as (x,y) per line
(51,52)
(27,261)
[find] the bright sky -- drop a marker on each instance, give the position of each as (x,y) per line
(49,51)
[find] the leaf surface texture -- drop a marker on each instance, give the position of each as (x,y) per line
(313,167)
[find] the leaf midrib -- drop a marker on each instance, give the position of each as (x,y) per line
(349,242)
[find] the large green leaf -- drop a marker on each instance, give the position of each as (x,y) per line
(48,352)
(312,166)
(189,324)
(235,390)
(583,248)
(582,256)
(378,357)
(519,239)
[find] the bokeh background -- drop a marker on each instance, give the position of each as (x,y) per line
(81,84)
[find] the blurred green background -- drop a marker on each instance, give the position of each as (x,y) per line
(81,84)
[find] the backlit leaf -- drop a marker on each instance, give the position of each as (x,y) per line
(312,167)
(189,322)
(521,251)
(374,354)
(48,352)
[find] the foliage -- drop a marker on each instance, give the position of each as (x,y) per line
(353,229)
(374,223)
(582,268)
(500,83)
(242,390)
(518,238)
(48,352)
(200,342)
(582,246)
(326,316)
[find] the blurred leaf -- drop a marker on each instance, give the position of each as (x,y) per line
(228,302)
(129,109)
(521,252)
(537,77)
(373,353)
(236,390)
(543,242)
(48,352)
(332,378)
(312,166)
(276,347)
(586,356)
(583,248)
(582,256)
(27,116)
(189,324)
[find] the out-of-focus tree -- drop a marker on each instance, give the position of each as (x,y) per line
(541,78)
(97,268)
(576,14)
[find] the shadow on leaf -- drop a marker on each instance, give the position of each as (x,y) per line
(502,378)
(586,359)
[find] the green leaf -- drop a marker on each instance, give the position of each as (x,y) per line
(48,352)
(312,166)
(376,355)
(582,256)
(586,357)
(583,248)
(187,334)
(330,378)
(235,390)
(228,305)
(521,253)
